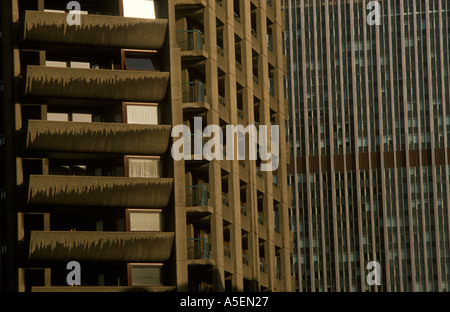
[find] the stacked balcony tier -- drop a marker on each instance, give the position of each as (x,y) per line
(101,246)
(92,191)
(81,137)
(95,30)
(101,84)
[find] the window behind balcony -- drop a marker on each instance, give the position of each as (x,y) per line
(144,220)
(139,8)
(77,117)
(140,60)
(144,167)
(144,114)
(144,274)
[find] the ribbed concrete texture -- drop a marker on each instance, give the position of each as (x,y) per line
(105,84)
(95,30)
(99,191)
(100,246)
(82,137)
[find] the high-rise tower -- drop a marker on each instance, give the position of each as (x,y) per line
(370,121)
(87,170)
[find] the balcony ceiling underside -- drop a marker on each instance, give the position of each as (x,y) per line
(101,84)
(93,191)
(100,246)
(95,30)
(82,137)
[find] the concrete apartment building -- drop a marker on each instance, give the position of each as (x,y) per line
(85,146)
(370,124)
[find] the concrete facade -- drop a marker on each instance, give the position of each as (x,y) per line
(87,113)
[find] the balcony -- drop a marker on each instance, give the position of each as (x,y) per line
(191,43)
(100,246)
(194,95)
(197,195)
(222,100)
(125,33)
(243,210)
(101,84)
(198,248)
(270,42)
(91,191)
(193,91)
(83,137)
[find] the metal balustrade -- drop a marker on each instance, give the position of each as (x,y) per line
(194,91)
(200,248)
(194,39)
(199,195)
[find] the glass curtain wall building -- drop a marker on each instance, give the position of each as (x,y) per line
(369,126)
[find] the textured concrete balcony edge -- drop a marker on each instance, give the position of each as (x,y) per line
(82,137)
(101,246)
(188,3)
(104,289)
(91,191)
(102,84)
(95,30)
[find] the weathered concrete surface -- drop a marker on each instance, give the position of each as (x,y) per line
(101,246)
(95,30)
(82,137)
(102,84)
(91,191)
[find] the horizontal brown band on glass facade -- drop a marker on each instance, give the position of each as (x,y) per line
(391,159)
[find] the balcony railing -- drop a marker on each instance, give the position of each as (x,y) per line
(270,42)
(226,252)
(240,113)
(271,87)
(219,50)
(201,139)
(238,64)
(278,267)
(2,193)
(274,180)
(276,222)
(223,151)
(199,195)
(236,16)
(258,172)
(221,100)
(194,39)
(200,248)
(260,218)
(194,91)
(225,201)
(262,266)
(243,210)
